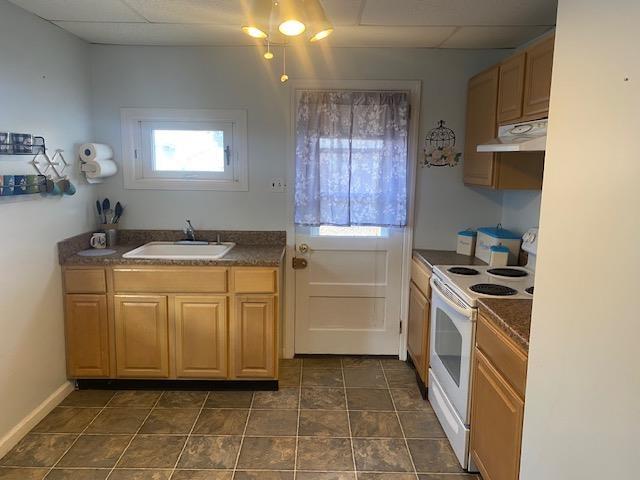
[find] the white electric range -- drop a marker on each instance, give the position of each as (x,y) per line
(455,293)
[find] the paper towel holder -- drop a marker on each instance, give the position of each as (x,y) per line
(85,166)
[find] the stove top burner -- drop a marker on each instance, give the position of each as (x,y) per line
(463,271)
(507,272)
(493,289)
(529,290)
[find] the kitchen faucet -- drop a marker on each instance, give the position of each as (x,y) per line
(190,232)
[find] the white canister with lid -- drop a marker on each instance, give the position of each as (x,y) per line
(467,242)
(499,256)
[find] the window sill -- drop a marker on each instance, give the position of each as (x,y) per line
(180,184)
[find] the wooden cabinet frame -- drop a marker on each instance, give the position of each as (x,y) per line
(221,291)
(515,91)
(497,402)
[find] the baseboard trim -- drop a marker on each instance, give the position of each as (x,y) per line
(16,434)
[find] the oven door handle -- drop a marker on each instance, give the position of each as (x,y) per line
(446,296)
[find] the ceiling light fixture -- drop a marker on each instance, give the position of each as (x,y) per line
(274,21)
(258,17)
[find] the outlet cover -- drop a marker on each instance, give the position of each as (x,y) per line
(278,185)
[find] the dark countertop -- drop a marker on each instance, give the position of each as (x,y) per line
(253,248)
(444,257)
(240,255)
(512,316)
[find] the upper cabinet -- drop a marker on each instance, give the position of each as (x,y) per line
(482,98)
(538,80)
(511,89)
(515,91)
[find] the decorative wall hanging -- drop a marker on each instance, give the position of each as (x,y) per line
(439,147)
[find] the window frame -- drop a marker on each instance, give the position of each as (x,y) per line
(137,158)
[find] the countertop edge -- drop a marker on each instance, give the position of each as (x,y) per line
(431,258)
(276,254)
(504,325)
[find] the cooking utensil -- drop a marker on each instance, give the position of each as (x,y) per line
(118,212)
(106,205)
(99,208)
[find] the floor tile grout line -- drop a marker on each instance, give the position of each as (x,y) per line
(134,436)
(295,455)
(78,436)
(346,404)
(175,466)
(404,437)
(244,433)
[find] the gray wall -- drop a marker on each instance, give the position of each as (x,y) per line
(520,209)
(44,82)
(228,77)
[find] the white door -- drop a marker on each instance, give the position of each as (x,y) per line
(348,296)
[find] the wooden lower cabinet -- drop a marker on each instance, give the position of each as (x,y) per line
(496,423)
(253,337)
(200,336)
(152,323)
(87,333)
(418,330)
(141,329)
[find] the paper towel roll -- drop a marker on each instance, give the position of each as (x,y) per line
(93,151)
(97,170)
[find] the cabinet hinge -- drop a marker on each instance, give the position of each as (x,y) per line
(400,326)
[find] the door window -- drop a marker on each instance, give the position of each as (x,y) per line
(448,345)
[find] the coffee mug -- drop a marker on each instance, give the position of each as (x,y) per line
(98,240)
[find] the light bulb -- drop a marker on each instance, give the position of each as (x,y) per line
(268,55)
(292,27)
(254,32)
(284,78)
(321,34)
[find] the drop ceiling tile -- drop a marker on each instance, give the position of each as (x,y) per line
(492,37)
(460,12)
(157,33)
(217,12)
(343,12)
(389,37)
(81,10)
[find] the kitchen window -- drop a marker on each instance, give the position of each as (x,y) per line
(169,149)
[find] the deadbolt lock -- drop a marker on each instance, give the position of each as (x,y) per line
(299,263)
(303,248)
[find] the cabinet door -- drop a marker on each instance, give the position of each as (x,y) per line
(482,99)
(510,89)
(253,337)
(538,79)
(141,326)
(87,336)
(201,336)
(418,330)
(496,423)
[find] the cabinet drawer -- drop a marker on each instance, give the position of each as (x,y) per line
(84,280)
(170,280)
(255,280)
(508,359)
(420,276)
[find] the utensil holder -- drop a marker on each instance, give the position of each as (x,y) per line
(111,230)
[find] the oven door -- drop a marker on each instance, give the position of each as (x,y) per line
(452,337)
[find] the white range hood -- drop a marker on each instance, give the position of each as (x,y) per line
(519,137)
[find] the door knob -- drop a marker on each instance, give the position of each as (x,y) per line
(303,248)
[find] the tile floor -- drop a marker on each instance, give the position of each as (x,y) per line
(332,419)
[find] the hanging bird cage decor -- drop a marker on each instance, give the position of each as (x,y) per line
(439,147)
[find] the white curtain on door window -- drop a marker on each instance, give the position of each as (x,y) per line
(351,158)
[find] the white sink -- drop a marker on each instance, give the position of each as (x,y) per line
(178,251)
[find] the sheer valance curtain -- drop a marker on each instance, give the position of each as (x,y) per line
(351,158)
